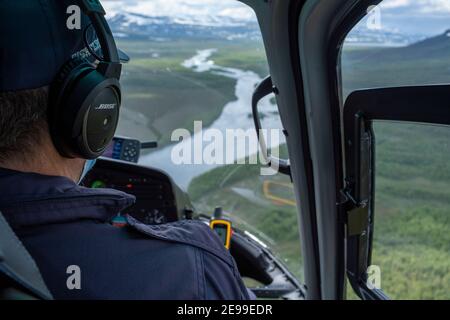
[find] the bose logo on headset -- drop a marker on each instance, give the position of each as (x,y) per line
(106,106)
(77,129)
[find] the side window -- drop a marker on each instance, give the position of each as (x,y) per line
(411,242)
(194,65)
(405,44)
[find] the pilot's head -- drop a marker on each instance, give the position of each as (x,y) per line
(58,104)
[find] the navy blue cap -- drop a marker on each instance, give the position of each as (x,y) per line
(35,42)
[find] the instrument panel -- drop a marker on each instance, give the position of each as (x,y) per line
(158,199)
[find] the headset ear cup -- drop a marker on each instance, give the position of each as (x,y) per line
(97,100)
(58,113)
(68,72)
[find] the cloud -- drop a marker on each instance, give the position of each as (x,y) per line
(239,10)
(435,6)
(182,9)
(417,6)
(394,4)
(415,17)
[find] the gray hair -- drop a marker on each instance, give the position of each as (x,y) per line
(23,119)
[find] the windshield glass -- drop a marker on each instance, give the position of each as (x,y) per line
(194,66)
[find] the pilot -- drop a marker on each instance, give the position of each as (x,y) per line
(65,227)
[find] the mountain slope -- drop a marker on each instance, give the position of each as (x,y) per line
(140,26)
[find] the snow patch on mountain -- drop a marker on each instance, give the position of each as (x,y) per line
(162,28)
(191,12)
(136,25)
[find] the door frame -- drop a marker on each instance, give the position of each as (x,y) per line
(278,21)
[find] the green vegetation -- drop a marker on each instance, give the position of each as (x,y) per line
(242,197)
(245,56)
(426,62)
(239,190)
(412,205)
(161,95)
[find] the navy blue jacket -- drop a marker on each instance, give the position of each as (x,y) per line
(62,224)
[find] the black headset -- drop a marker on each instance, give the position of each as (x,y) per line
(84,99)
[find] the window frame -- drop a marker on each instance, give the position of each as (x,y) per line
(416,104)
(334,50)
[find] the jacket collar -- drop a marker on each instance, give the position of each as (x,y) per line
(31,199)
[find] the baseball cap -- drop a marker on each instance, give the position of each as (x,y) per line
(36,42)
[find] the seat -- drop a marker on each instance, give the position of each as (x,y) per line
(20,278)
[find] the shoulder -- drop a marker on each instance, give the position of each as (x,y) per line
(189,232)
(215,270)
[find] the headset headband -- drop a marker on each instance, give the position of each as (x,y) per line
(110,66)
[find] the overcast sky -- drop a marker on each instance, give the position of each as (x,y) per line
(409,16)
(425,17)
(182,8)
